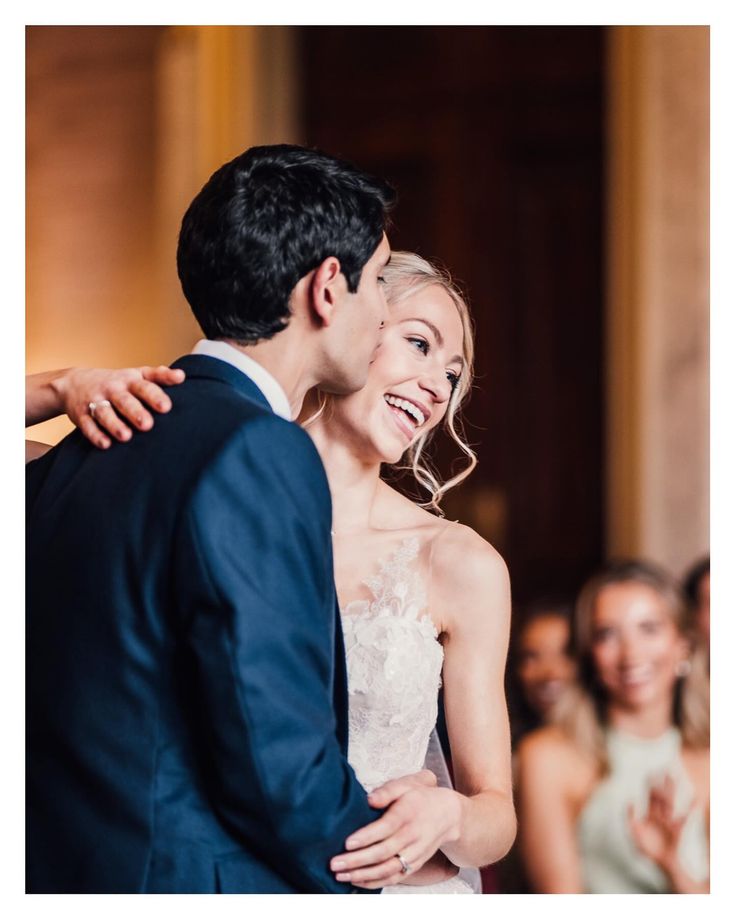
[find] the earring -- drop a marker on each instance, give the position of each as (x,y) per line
(683,668)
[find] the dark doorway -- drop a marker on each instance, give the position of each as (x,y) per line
(493,137)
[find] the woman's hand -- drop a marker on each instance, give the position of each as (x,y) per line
(128,391)
(658,833)
(420,818)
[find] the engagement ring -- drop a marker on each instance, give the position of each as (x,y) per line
(94,406)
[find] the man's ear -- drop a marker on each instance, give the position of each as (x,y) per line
(327,287)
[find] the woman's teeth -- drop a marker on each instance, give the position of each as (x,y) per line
(407,406)
(635,676)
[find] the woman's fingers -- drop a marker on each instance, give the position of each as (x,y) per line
(390,791)
(384,827)
(106,417)
(389,871)
(662,800)
(166,376)
(151,394)
(130,393)
(385,873)
(94,434)
(425,778)
(394,879)
(133,410)
(373,855)
(395,788)
(668,796)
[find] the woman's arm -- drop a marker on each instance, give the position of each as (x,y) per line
(547,812)
(470,583)
(71,390)
(43,400)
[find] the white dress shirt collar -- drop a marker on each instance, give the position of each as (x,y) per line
(266,382)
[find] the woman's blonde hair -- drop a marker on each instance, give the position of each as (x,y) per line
(406,274)
(581,711)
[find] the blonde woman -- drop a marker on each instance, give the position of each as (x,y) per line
(423,600)
(614,797)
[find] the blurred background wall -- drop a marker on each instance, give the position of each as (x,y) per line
(561,173)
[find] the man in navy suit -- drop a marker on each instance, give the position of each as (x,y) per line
(186,699)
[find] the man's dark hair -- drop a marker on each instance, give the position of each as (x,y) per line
(262,222)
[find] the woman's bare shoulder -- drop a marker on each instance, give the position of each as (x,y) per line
(697,764)
(466,567)
(550,756)
(547,743)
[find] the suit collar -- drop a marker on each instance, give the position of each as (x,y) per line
(263,379)
(204,367)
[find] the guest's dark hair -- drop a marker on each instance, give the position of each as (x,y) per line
(691,582)
(522,717)
(262,222)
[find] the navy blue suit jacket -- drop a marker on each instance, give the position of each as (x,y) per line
(186,695)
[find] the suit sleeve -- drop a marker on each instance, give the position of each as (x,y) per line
(258,597)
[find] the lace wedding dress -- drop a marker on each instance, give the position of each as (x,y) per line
(394,663)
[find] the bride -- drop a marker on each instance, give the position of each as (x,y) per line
(424,601)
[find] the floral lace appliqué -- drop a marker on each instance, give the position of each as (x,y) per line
(394,663)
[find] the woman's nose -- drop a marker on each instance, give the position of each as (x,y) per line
(437,385)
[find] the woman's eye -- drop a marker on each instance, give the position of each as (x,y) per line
(381,279)
(453,378)
(420,344)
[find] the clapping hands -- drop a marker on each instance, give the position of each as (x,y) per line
(657,834)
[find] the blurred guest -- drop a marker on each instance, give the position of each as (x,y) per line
(540,665)
(614,795)
(540,668)
(697,591)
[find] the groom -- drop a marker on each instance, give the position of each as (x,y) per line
(186,701)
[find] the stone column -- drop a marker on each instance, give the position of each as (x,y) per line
(221,89)
(657,322)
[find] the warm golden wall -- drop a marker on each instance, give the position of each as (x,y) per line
(124,125)
(657,337)
(90,182)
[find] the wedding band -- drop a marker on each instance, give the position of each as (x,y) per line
(94,406)
(405,867)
